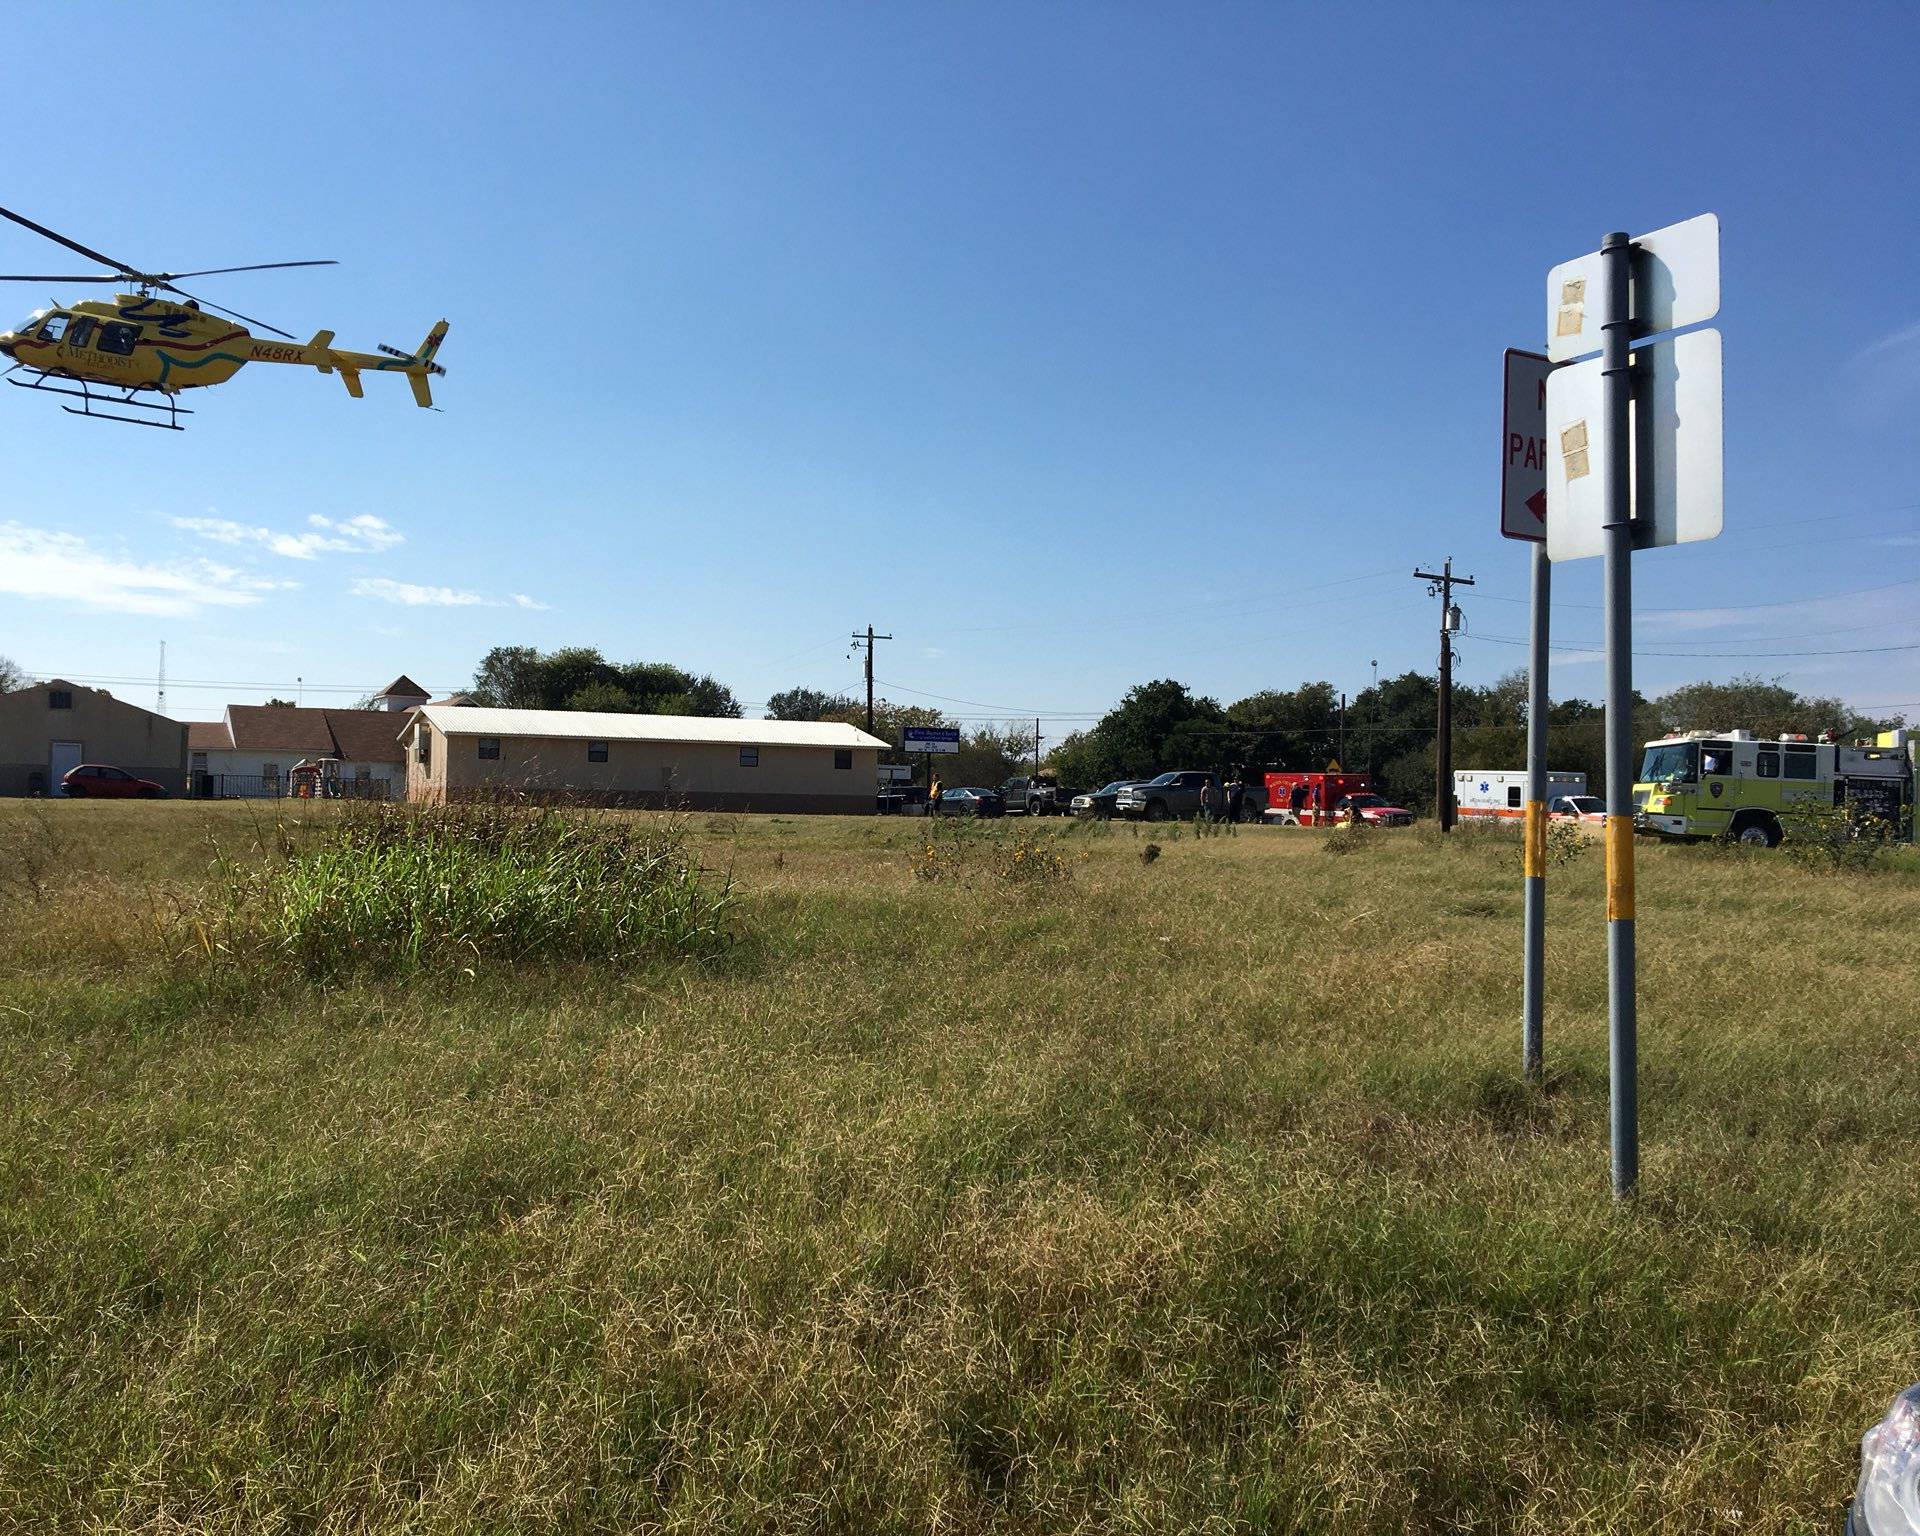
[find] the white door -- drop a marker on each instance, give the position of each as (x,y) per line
(63,756)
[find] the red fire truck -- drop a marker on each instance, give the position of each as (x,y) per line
(1313,799)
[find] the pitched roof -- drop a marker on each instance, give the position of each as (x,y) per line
(358,735)
(403,687)
(208,736)
(582,725)
(366,735)
(278,728)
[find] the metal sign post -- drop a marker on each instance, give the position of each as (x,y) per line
(1533,1042)
(1523,508)
(1616,470)
(1634,461)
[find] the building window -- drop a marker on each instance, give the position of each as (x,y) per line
(596,751)
(60,698)
(843,757)
(422,754)
(489,748)
(749,757)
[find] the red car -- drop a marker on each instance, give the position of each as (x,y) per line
(96,781)
(1375,811)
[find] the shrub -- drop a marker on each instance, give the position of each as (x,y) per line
(449,887)
(1836,837)
(1349,837)
(1566,842)
(1030,859)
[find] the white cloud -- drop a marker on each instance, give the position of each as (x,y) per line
(414,595)
(360,535)
(1885,374)
(64,567)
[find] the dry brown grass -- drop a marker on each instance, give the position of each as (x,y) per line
(1195,1195)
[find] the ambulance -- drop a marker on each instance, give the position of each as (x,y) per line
(1730,784)
(1501,793)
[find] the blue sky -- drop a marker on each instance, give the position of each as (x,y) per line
(1075,345)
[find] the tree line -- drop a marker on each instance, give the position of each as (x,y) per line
(1386,730)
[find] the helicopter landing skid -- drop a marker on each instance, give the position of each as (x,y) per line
(122,401)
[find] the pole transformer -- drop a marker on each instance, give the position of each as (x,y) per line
(1440,584)
(865,642)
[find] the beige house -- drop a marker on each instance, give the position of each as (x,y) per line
(456,753)
(56,725)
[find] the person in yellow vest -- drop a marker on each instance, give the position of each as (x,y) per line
(933,796)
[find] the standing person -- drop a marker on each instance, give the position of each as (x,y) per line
(933,795)
(1319,799)
(1236,797)
(1297,799)
(1206,798)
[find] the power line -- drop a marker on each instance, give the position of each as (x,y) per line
(1785,602)
(1231,608)
(1863,650)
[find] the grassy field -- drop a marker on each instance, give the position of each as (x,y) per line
(1190,1194)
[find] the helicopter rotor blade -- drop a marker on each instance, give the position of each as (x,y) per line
(261,266)
(119,267)
(234,313)
(10,277)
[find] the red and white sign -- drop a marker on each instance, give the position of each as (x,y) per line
(1523,447)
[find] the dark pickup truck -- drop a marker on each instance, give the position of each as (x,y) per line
(1176,797)
(1171,797)
(1038,795)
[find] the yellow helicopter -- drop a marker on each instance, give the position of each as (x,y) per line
(139,343)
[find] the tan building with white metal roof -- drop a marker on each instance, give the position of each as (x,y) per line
(456,753)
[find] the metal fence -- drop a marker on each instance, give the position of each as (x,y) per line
(255,786)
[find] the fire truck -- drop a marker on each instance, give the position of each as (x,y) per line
(1731,784)
(1319,800)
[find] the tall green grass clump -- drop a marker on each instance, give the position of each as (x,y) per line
(451,887)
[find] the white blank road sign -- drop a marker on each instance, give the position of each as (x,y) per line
(1676,282)
(1523,447)
(1677,481)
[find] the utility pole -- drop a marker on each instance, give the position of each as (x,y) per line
(1342,754)
(1373,736)
(160,694)
(1441,585)
(1036,744)
(865,642)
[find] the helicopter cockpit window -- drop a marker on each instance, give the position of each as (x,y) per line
(118,336)
(53,327)
(81,331)
(26,326)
